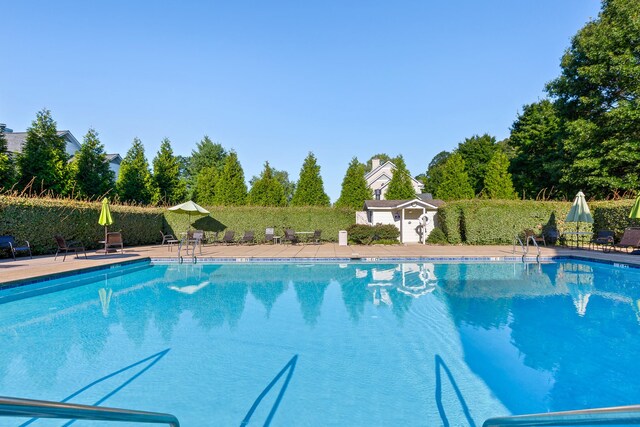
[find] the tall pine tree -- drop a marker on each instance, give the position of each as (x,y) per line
(91,173)
(134,181)
(7,168)
(267,190)
(169,188)
(354,187)
(231,189)
(497,179)
(455,183)
(204,188)
(44,157)
(310,188)
(400,186)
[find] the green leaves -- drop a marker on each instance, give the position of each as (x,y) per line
(354,187)
(497,179)
(134,181)
(231,190)
(91,173)
(400,187)
(169,188)
(267,190)
(310,188)
(455,181)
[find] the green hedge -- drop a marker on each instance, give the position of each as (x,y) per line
(39,219)
(486,222)
(241,218)
(362,234)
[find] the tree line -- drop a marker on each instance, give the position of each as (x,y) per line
(584,136)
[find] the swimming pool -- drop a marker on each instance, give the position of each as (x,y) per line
(328,344)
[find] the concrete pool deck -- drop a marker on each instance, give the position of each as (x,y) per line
(25,268)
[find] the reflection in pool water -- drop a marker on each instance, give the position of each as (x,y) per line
(374,344)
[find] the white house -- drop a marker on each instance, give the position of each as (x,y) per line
(15,142)
(414,218)
(380,175)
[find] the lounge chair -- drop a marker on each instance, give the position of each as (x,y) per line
(603,238)
(248,237)
(316,236)
(67,247)
(228,237)
(290,236)
(9,244)
(630,239)
(269,234)
(114,240)
(537,238)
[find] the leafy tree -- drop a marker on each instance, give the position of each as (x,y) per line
(597,94)
(7,168)
(231,190)
(476,153)
(354,187)
(267,190)
(134,180)
(310,188)
(433,177)
(400,187)
(207,154)
(44,157)
(497,179)
(91,172)
(455,183)
(383,159)
(169,188)
(205,185)
(289,187)
(536,137)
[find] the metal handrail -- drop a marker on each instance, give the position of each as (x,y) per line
(16,407)
(533,240)
(516,238)
(601,416)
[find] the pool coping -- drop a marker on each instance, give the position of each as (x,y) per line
(230,260)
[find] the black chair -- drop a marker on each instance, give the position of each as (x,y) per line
(290,236)
(248,237)
(8,243)
(228,237)
(269,234)
(316,236)
(67,247)
(603,238)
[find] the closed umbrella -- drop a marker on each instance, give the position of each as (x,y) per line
(189,208)
(579,212)
(635,210)
(105,219)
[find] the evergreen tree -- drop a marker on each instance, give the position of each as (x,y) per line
(231,190)
(310,188)
(44,157)
(400,186)
(267,190)
(205,185)
(455,183)
(354,187)
(433,176)
(169,188)
(497,179)
(7,168)
(206,154)
(368,167)
(476,153)
(134,181)
(91,173)
(282,177)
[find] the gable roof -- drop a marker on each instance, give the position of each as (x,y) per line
(15,140)
(398,204)
(114,158)
(393,167)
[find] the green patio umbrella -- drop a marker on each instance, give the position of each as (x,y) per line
(105,217)
(635,210)
(189,208)
(579,212)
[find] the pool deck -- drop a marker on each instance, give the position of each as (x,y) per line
(25,268)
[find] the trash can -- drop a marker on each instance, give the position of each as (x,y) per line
(342,238)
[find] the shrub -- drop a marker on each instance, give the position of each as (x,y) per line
(362,234)
(437,237)
(450,218)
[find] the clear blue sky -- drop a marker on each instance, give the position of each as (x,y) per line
(274,80)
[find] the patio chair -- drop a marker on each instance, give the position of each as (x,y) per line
(290,236)
(195,238)
(248,237)
(228,237)
(269,234)
(169,239)
(70,246)
(603,238)
(214,239)
(316,236)
(114,240)
(537,238)
(9,244)
(630,239)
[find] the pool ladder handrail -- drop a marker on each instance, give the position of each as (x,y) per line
(617,415)
(18,407)
(525,249)
(194,258)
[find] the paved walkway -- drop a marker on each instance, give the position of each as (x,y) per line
(24,268)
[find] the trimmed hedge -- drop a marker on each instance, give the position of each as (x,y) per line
(39,219)
(362,234)
(241,218)
(486,222)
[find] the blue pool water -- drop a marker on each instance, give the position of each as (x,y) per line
(328,344)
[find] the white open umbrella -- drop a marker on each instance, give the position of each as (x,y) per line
(189,207)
